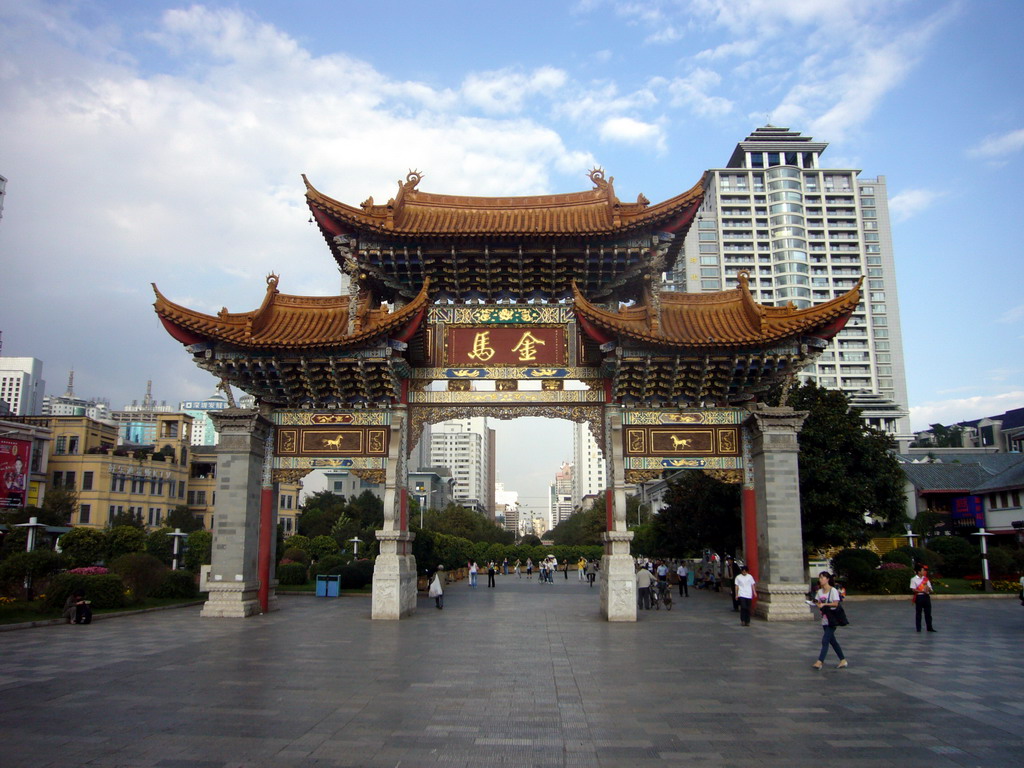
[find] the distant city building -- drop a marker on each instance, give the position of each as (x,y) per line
(467,447)
(21,385)
(560,495)
(432,487)
(590,472)
(24,456)
(203,432)
(70,405)
(340,482)
(806,234)
(136,423)
(506,506)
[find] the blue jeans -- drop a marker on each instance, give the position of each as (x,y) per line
(828,637)
(472,579)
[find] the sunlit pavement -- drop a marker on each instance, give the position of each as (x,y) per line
(523,674)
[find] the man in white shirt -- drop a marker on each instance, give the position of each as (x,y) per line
(744,591)
(644,579)
(683,573)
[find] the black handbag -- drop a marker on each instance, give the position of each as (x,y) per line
(838,616)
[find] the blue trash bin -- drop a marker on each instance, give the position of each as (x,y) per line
(321,586)
(333,585)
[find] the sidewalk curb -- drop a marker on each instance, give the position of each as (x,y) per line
(96,616)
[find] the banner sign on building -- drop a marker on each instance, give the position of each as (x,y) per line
(15,457)
(524,345)
(968,511)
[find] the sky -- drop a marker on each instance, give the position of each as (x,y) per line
(163,143)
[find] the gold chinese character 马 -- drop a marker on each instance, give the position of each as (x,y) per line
(527,347)
(481,349)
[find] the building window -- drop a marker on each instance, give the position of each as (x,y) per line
(58,479)
(62,445)
(87,481)
(84,511)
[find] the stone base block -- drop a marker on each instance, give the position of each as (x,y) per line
(782,602)
(394,586)
(618,588)
(232,600)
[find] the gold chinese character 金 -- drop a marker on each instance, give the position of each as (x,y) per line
(482,350)
(527,347)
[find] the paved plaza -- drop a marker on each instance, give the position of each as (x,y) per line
(521,675)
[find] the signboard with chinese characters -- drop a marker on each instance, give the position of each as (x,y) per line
(501,346)
(968,511)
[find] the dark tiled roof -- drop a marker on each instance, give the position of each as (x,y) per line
(1013,477)
(945,477)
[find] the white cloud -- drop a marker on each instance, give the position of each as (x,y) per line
(911,202)
(963,409)
(630,131)
(997,147)
(505,91)
(605,100)
(190,179)
(691,91)
(1013,315)
(735,48)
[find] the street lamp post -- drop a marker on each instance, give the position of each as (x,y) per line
(355,542)
(986,582)
(909,536)
(178,536)
(30,544)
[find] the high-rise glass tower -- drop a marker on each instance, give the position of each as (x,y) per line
(805,233)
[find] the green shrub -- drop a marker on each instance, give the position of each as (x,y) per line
(366,568)
(177,584)
(106,591)
(855,567)
(142,573)
(857,574)
(892,581)
(322,546)
(83,546)
(291,574)
(198,550)
(160,545)
(959,556)
(297,541)
(39,563)
(923,556)
(1000,562)
(296,556)
(353,577)
(327,564)
(123,540)
(896,556)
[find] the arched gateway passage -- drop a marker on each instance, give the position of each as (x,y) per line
(552,288)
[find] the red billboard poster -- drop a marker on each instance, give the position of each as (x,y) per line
(14,465)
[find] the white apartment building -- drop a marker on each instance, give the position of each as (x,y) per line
(466,448)
(561,505)
(21,385)
(805,233)
(70,405)
(590,472)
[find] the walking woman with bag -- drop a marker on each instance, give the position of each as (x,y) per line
(436,591)
(827,599)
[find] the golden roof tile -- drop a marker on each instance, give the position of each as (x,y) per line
(727,319)
(287,322)
(595,211)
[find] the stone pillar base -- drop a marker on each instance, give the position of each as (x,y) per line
(394,586)
(232,600)
(782,602)
(272,604)
(618,578)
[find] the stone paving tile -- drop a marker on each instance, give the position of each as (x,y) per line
(514,677)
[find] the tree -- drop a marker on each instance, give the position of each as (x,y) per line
(319,514)
(129,520)
(850,483)
(198,549)
(83,546)
(321,546)
(530,540)
(584,527)
(700,513)
(181,518)
(124,540)
(60,504)
(160,545)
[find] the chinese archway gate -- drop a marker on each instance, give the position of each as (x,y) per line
(461,290)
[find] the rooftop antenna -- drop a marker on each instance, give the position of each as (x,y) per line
(71,384)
